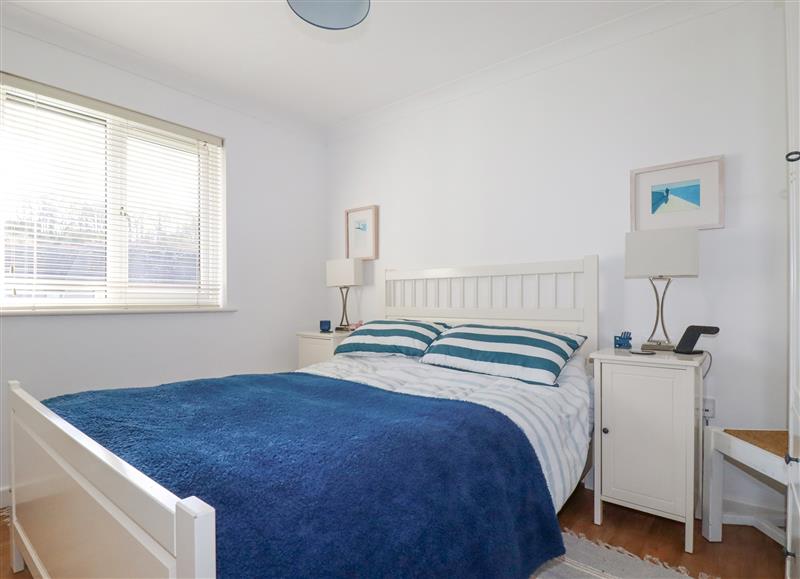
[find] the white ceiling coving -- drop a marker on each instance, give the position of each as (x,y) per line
(262,52)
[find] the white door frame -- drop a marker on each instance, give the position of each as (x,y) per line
(792,15)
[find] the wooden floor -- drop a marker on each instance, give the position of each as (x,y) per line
(744,552)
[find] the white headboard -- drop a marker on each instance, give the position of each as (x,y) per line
(557,295)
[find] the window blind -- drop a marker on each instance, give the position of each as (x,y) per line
(104,208)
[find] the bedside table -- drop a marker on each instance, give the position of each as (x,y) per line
(648,434)
(313,347)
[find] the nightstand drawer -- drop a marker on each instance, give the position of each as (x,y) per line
(313,351)
(315,347)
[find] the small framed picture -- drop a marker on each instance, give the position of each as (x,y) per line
(361,232)
(686,194)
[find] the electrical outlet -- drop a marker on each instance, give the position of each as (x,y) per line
(709,407)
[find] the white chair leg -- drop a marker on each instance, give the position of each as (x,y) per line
(712,490)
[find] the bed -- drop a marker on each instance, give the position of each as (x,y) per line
(81,510)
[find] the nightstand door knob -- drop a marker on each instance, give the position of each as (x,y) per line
(605,431)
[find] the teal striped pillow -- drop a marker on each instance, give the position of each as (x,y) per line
(381,337)
(529,355)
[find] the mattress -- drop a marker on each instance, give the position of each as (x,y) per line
(556,421)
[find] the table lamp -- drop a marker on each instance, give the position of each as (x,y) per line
(661,254)
(344,274)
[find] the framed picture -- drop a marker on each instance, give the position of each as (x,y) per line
(687,194)
(361,232)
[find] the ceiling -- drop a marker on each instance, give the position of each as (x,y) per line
(262,52)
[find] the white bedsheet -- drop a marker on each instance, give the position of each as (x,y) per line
(557,421)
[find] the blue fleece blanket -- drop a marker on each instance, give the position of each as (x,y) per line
(317,477)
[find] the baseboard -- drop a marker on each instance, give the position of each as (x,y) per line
(588,480)
(5,497)
(769,521)
(740,513)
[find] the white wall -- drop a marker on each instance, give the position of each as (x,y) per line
(525,161)
(530,161)
(276,216)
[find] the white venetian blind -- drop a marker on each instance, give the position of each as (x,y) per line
(104,208)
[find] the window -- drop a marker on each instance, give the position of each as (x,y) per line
(103,208)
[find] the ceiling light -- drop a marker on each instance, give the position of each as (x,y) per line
(331,14)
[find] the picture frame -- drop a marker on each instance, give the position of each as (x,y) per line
(361,232)
(685,194)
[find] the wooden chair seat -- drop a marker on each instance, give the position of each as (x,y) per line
(774,441)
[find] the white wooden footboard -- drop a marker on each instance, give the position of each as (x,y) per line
(78,510)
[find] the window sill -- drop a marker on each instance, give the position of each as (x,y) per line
(8,312)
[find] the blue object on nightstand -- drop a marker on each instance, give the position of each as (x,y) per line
(623,341)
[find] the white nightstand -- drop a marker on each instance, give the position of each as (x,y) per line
(313,347)
(648,434)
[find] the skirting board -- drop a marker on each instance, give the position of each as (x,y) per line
(5,497)
(769,521)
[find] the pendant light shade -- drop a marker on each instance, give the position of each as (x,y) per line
(331,14)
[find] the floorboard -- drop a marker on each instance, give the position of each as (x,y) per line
(743,553)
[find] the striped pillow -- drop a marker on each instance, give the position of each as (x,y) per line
(380,337)
(532,356)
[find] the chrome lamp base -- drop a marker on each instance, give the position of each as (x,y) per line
(652,342)
(344,323)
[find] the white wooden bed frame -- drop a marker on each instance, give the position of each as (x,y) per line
(558,295)
(78,510)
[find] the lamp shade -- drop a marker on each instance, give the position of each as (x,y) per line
(343,272)
(662,253)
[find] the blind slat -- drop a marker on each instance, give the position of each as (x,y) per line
(98,210)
